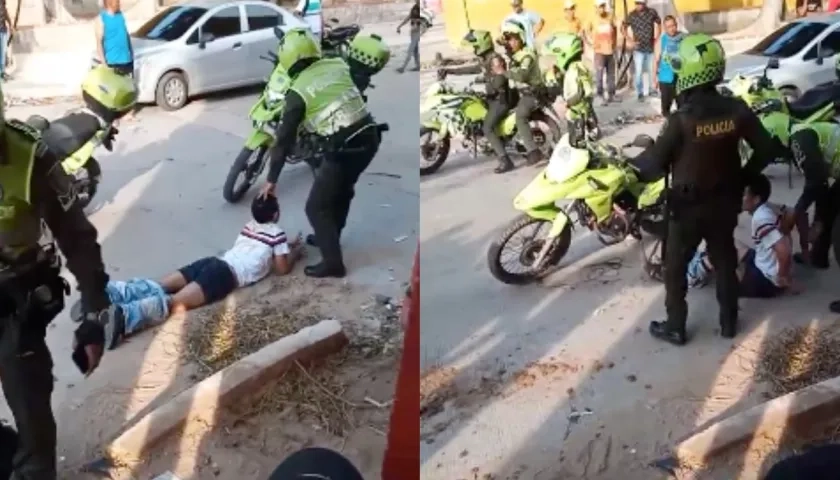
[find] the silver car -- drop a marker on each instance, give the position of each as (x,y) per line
(202,46)
(805,48)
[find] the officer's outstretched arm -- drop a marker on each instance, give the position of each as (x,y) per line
(473,68)
(286,134)
(67,134)
(76,236)
(765,148)
(656,160)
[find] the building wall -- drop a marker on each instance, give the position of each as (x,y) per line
(488,14)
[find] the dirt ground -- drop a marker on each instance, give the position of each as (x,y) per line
(599,443)
(343,403)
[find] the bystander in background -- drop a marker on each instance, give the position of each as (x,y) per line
(6,30)
(663,75)
(113,43)
(602,34)
(530,20)
(571,22)
(418,26)
(642,32)
(310,12)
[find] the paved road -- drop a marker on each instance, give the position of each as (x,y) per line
(160,206)
(513,365)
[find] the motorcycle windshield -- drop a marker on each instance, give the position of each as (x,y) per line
(566,162)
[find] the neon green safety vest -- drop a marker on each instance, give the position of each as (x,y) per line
(332,100)
(578,81)
(530,75)
(829,135)
(20,226)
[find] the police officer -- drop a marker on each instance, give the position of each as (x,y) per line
(525,73)
(816,149)
(577,91)
(699,144)
(499,101)
(34,190)
(367,55)
(326,105)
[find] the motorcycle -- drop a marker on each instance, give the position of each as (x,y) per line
(820,104)
(264,115)
(80,165)
(446,113)
(606,198)
(336,39)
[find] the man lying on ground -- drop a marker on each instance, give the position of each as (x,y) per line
(765,270)
(260,248)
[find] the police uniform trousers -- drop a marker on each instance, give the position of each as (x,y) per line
(333,190)
(715,223)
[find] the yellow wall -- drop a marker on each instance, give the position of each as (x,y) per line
(488,14)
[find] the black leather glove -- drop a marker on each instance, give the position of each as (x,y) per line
(89,334)
(108,141)
(110,319)
(441,74)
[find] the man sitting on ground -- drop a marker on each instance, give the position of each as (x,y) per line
(766,268)
(260,248)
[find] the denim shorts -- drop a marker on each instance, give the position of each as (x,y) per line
(213,275)
(754,284)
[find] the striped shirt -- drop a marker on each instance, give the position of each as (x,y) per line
(765,234)
(253,251)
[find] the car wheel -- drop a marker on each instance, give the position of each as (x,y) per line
(172,93)
(791,94)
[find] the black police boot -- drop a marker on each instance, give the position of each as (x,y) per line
(660,331)
(835,306)
(728,330)
(322,270)
(311,240)
(505,165)
(534,157)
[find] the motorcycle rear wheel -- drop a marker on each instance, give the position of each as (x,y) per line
(432,153)
(232,190)
(528,252)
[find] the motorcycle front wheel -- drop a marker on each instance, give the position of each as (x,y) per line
(247,166)
(525,251)
(434,149)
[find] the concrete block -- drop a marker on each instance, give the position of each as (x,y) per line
(802,410)
(203,401)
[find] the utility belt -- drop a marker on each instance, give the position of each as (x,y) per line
(352,138)
(682,198)
(32,286)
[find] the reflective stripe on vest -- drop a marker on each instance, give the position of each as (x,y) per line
(332,100)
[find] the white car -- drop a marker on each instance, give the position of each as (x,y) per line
(203,46)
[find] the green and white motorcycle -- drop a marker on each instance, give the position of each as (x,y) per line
(447,113)
(599,187)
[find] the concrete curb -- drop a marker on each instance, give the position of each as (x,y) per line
(203,400)
(800,411)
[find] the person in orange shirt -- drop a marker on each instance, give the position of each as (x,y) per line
(572,23)
(601,34)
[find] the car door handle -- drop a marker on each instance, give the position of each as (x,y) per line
(237,45)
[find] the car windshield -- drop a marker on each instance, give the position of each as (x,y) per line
(788,40)
(170,24)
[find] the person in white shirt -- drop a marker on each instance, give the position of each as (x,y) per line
(766,267)
(260,248)
(310,11)
(532,21)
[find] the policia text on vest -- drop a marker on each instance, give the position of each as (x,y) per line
(713,129)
